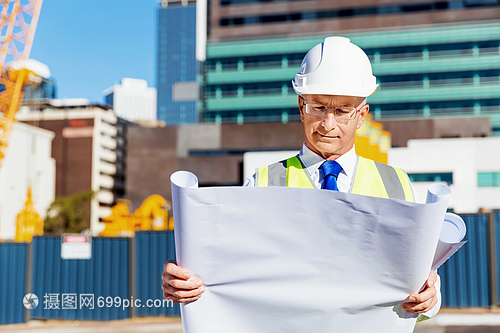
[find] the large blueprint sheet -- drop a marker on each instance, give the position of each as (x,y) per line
(301,260)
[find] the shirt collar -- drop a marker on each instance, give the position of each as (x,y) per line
(313,161)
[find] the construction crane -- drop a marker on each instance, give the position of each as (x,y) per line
(17,30)
(18,23)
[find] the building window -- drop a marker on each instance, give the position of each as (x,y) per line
(432,177)
(382,9)
(488,179)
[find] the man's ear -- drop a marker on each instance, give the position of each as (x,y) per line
(362,115)
(301,107)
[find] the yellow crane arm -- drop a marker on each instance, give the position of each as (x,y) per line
(17,30)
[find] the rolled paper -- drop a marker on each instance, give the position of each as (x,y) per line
(438,192)
(184,179)
(180,181)
(450,239)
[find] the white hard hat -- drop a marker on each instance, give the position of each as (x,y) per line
(335,67)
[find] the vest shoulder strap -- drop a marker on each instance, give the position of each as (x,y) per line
(381,180)
(289,172)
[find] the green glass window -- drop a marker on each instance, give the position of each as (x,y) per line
(488,179)
(432,177)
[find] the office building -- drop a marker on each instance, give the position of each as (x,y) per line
(132,99)
(46,90)
(244,19)
(177,68)
(89,150)
(42,87)
(424,71)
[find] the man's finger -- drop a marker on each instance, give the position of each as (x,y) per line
(176,271)
(186,285)
(419,307)
(180,293)
(423,296)
(431,280)
(171,261)
(179,300)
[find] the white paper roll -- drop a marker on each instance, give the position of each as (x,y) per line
(438,192)
(450,239)
(180,180)
(184,179)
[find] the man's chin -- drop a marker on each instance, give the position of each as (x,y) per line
(326,148)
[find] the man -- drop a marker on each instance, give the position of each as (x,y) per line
(334,80)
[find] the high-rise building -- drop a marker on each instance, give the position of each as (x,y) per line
(42,87)
(46,90)
(437,59)
(89,149)
(243,19)
(132,99)
(177,68)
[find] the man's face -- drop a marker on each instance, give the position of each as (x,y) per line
(328,136)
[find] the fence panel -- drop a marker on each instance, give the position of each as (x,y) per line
(12,282)
(93,282)
(465,276)
(153,248)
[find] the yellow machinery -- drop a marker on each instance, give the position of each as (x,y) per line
(28,222)
(372,141)
(18,23)
(153,214)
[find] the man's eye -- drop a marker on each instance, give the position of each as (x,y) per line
(344,110)
(319,108)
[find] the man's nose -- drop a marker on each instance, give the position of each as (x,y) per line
(329,122)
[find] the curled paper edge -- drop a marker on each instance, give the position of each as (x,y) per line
(184,179)
(438,192)
(445,249)
(459,223)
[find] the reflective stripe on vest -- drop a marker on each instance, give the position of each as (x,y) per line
(371,178)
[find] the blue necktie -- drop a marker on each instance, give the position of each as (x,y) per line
(331,170)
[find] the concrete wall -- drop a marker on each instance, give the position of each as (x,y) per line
(151,159)
(213,152)
(404,130)
(27,162)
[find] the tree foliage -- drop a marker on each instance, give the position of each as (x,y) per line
(69,214)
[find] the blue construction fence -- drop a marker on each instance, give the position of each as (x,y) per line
(121,280)
(129,269)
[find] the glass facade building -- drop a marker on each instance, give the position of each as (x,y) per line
(423,71)
(45,90)
(177,68)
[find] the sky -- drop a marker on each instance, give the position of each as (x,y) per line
(89,45)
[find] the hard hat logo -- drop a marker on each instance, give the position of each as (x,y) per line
(335,67)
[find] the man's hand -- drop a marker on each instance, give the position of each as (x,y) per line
(424,300)
(178,285)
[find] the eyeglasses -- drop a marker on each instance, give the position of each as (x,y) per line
(340,112)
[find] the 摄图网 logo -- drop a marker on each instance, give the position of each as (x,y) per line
(30,301)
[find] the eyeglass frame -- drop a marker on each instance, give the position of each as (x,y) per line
(334,111)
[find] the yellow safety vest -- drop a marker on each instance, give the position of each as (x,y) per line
(371,178)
